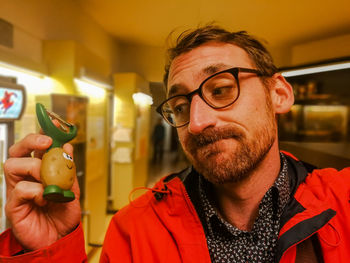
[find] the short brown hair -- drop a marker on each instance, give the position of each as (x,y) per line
(191,39)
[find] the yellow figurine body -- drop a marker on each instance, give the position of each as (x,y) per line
(57,168)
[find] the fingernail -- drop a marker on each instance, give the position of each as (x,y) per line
(44,140)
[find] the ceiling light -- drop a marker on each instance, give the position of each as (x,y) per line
(315,69)
(92,90)
(20,70)
(35,83)
(142,99)
(96,82)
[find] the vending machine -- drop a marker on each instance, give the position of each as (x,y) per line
(12,104)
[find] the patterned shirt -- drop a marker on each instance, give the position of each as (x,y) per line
(226,243)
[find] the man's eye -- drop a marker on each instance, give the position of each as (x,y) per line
(222,91)
(180,108)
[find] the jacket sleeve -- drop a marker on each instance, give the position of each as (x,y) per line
(70,248)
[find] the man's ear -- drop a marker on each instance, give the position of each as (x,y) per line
(282,95)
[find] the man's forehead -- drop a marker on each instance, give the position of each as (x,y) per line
(204,72)
(206,59)
(212,48)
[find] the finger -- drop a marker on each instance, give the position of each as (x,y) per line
(68,148)
(28,144)
(76,188)
(23,194)
(39,154)
(18,169)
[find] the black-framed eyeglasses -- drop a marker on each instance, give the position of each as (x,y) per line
(219,90)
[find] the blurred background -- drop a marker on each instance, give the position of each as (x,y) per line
(99,64)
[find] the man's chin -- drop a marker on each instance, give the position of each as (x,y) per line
(216,173)
(213,166)
(216,158)
(221,166)
(216,149)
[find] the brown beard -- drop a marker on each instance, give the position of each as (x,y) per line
(204,152)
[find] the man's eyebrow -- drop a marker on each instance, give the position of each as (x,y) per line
(175,89)
(212,69)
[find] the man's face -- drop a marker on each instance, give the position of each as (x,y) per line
(224,145)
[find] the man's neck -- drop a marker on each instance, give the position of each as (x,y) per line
(238,203)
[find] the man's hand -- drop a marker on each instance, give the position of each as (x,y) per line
(35,222)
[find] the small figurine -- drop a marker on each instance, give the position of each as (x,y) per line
(57,170)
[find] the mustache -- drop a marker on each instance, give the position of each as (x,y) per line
(211,135)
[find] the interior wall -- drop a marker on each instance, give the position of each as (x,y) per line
(38,20)
(149,61)
(281,55)
(25,45)
(322,49)
(146,61)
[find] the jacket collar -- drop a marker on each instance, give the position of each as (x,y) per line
(305,214)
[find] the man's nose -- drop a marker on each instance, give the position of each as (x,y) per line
(201,115)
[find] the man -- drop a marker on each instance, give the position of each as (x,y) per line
(242,201)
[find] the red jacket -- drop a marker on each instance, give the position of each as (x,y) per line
(164,226)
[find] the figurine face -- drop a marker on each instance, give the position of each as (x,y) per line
(57,168)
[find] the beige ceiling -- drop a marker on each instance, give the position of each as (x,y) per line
(279,22)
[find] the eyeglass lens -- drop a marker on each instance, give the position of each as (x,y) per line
(218,91)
